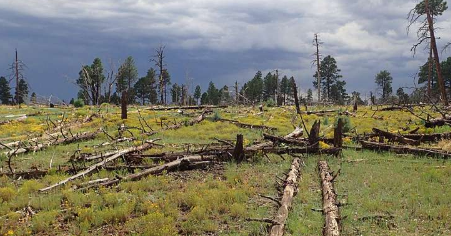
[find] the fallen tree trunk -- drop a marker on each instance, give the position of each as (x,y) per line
(287,198)
(58,141)
(92,168)
(405,150)
(249,126)
(437,122)
(428,137)
(319,112)
(159,169)
(183,108)
(277,139)
(396,137)
(330,203)
(197,120)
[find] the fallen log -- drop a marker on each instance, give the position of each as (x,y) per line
(396,137)
(330,202)
(249,126)
(428,137)
(197,120)
(319,112)
(183,108)
(145,146)
(437,122)
(392,108)
(57,141)
(159,169)
(287,198)
(405,150)
(277,139)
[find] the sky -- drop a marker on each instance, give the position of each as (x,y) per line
(212,40)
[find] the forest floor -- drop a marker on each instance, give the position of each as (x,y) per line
(381,193)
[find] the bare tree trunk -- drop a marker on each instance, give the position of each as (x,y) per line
(124,105)
(430,70)
(436,57)
(318,66)
(296,99)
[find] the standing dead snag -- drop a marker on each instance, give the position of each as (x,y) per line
(330,203)
(296,99)
(124,105)
(289,192)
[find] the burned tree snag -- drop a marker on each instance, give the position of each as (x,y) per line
(330,202)
(296,99)
(289,192)
(238,152)
(124,105)
(314,135)
(338,134)
(318,66)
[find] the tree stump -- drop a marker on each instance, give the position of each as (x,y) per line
(338,134)
(238,152)
(314,135)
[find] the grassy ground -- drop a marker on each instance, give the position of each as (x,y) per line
(383,194)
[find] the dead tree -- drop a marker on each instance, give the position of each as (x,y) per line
(238,152)
(338,134)
(405,150)
(330,202)
(94,167)
(296,98)
(314,134)
(317,43)
(159,63)
(288,194)
(124,105)
(396,137)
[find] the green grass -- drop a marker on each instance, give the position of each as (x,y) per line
(414,191)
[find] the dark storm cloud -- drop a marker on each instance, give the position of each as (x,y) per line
(216,40)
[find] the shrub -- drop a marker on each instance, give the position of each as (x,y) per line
(154,224)
(216,115)
(43,221)
(79,103)
(7,194)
